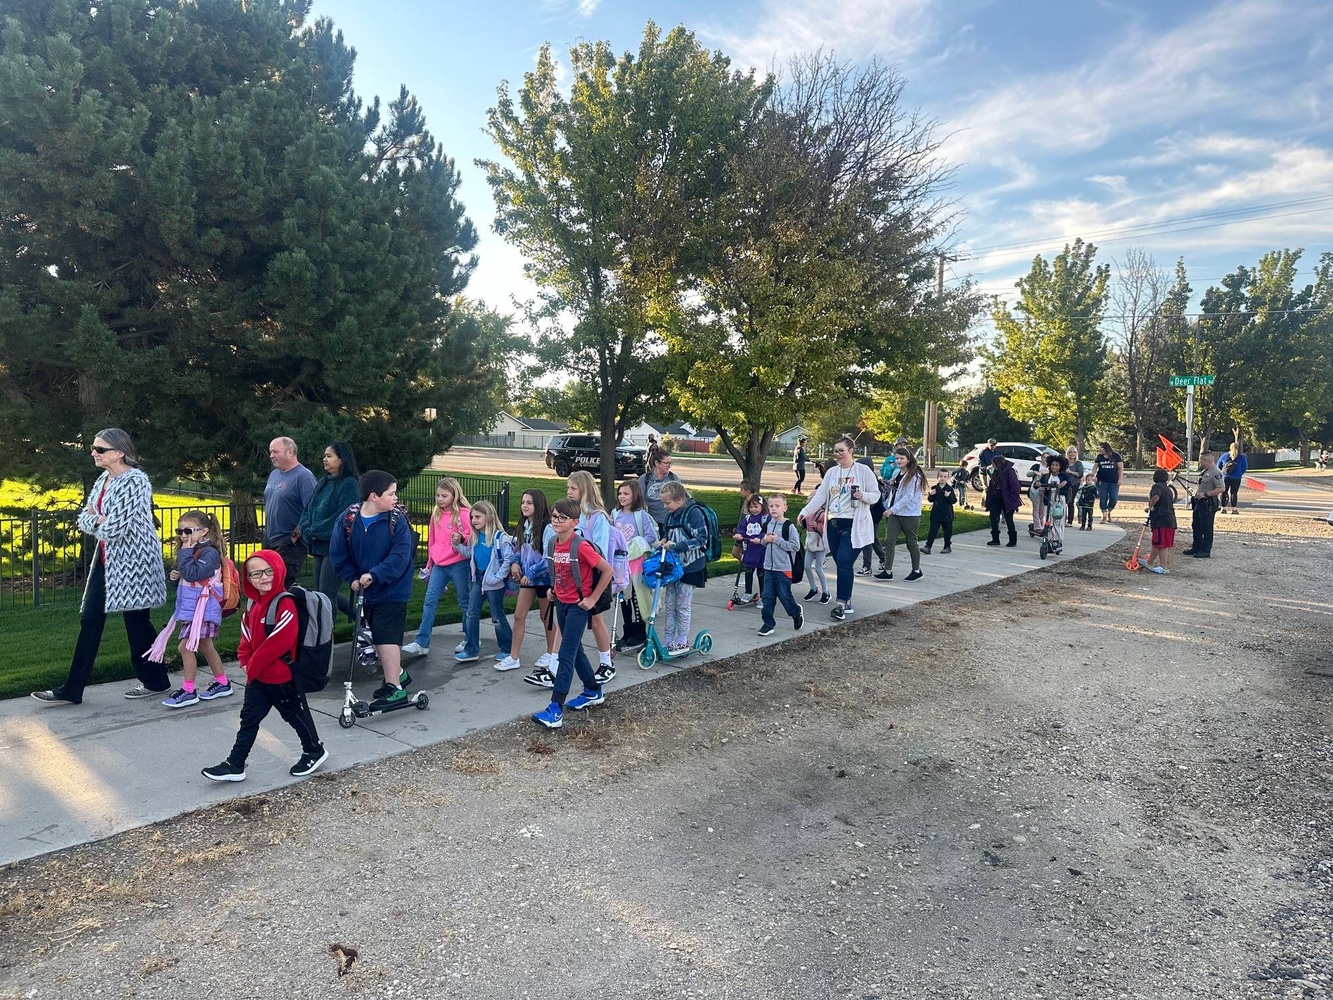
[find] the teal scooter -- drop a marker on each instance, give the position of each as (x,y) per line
(662,568)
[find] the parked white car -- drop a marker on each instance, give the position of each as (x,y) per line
(1025,455)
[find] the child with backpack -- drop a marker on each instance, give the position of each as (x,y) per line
(450,525)
(594,525)
(1162,520)
(489,557)
(580,576)
(198,577)
(749,534)
(1087,500)
(688,536)
(640,532)
(266,656)
(816,551)
(373,552)
(533,575)
(781,545)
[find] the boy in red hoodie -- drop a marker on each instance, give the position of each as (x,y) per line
(265,658)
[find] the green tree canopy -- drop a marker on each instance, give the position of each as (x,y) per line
(1049,361)
(981,417)
(207,239)
(821,281)
(600,191)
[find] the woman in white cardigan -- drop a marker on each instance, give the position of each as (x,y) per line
(127,574)
(845,494)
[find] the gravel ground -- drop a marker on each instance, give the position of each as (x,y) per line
(1080,782)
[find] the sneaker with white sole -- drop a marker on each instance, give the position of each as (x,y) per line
(466,657)
(552,716)
(226,771)
(139,691)
(604,673)
(181,698)
(839,612)
(766,630)
(541,677)
(218,689)
(508,663)
(415,649)
(547,660)
(587,698)
(308,763)
(461,646)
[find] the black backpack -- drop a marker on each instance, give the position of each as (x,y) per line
(798,557)
(313,662)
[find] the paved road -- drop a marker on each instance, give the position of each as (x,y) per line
(1287,494)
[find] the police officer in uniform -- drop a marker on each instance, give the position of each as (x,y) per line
(1204,506)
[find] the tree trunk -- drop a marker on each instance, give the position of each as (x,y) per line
(1138,446)
(608,448)
(244,520)
(751,459)
(1305,450)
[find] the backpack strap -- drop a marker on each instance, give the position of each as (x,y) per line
(271,612)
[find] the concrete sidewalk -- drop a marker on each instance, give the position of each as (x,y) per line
(71,775)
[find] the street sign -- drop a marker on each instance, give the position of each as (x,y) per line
(1180,381)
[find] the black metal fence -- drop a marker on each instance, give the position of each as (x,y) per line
(44,558)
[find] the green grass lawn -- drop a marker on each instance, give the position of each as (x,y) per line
(40,641)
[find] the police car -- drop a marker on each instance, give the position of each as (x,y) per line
(572,450)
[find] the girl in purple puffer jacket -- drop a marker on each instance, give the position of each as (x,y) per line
(198,576)
(750,533)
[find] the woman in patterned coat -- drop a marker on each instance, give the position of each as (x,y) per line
(127,573)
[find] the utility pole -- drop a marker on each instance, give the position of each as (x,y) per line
(928,442)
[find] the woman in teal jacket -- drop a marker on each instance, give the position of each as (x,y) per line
(336,491)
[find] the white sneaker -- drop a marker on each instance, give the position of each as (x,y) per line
(415,649)
(508,663)
(461,646)
(545,661)
(747,598)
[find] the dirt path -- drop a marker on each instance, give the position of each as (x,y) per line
(1080,782)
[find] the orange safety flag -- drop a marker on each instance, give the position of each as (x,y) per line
(1167,442)
(1254,484)
(1168,460)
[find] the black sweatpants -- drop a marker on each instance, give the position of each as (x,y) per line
(92,622)
(938,525)
(260,698)
(1202,524)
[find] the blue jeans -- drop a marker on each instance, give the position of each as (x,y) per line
(440,577)
(1108,494)
(777,587)
(573,621)
(504,635)
(839,534)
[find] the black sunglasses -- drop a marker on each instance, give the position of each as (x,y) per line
(101,450)
(187,531)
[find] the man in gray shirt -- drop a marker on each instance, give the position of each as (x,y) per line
(289,488)
(1205,506)
(652,481)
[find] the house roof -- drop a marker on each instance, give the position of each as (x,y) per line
(537,423)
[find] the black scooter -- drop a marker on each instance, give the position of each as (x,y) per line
(363,653)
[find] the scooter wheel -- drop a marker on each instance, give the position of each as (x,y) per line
(423,700)
(731,605)
(705,643)
(647,657)
(346,719)
(1045,549)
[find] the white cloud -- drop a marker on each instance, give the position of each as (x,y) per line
(1217,61)
(851,29)
(587,7)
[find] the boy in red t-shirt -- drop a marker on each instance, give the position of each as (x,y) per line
(265,659)
(573,613)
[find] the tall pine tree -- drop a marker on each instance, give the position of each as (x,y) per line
(208,239)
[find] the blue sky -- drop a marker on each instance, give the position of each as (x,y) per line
(1180,127)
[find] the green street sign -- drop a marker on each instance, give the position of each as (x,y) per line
(1180,381)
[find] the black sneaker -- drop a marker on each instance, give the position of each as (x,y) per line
(605,672)
(993,541)
(383,691)
(825,598)
(811,596)
(797,622)
(839,612)
(947,549)
(863,571)
(914,575)
(308,763)
(766,630)
(226,771)
(884,574)
(541,677)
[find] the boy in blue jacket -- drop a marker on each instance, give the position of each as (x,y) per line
(372,550)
